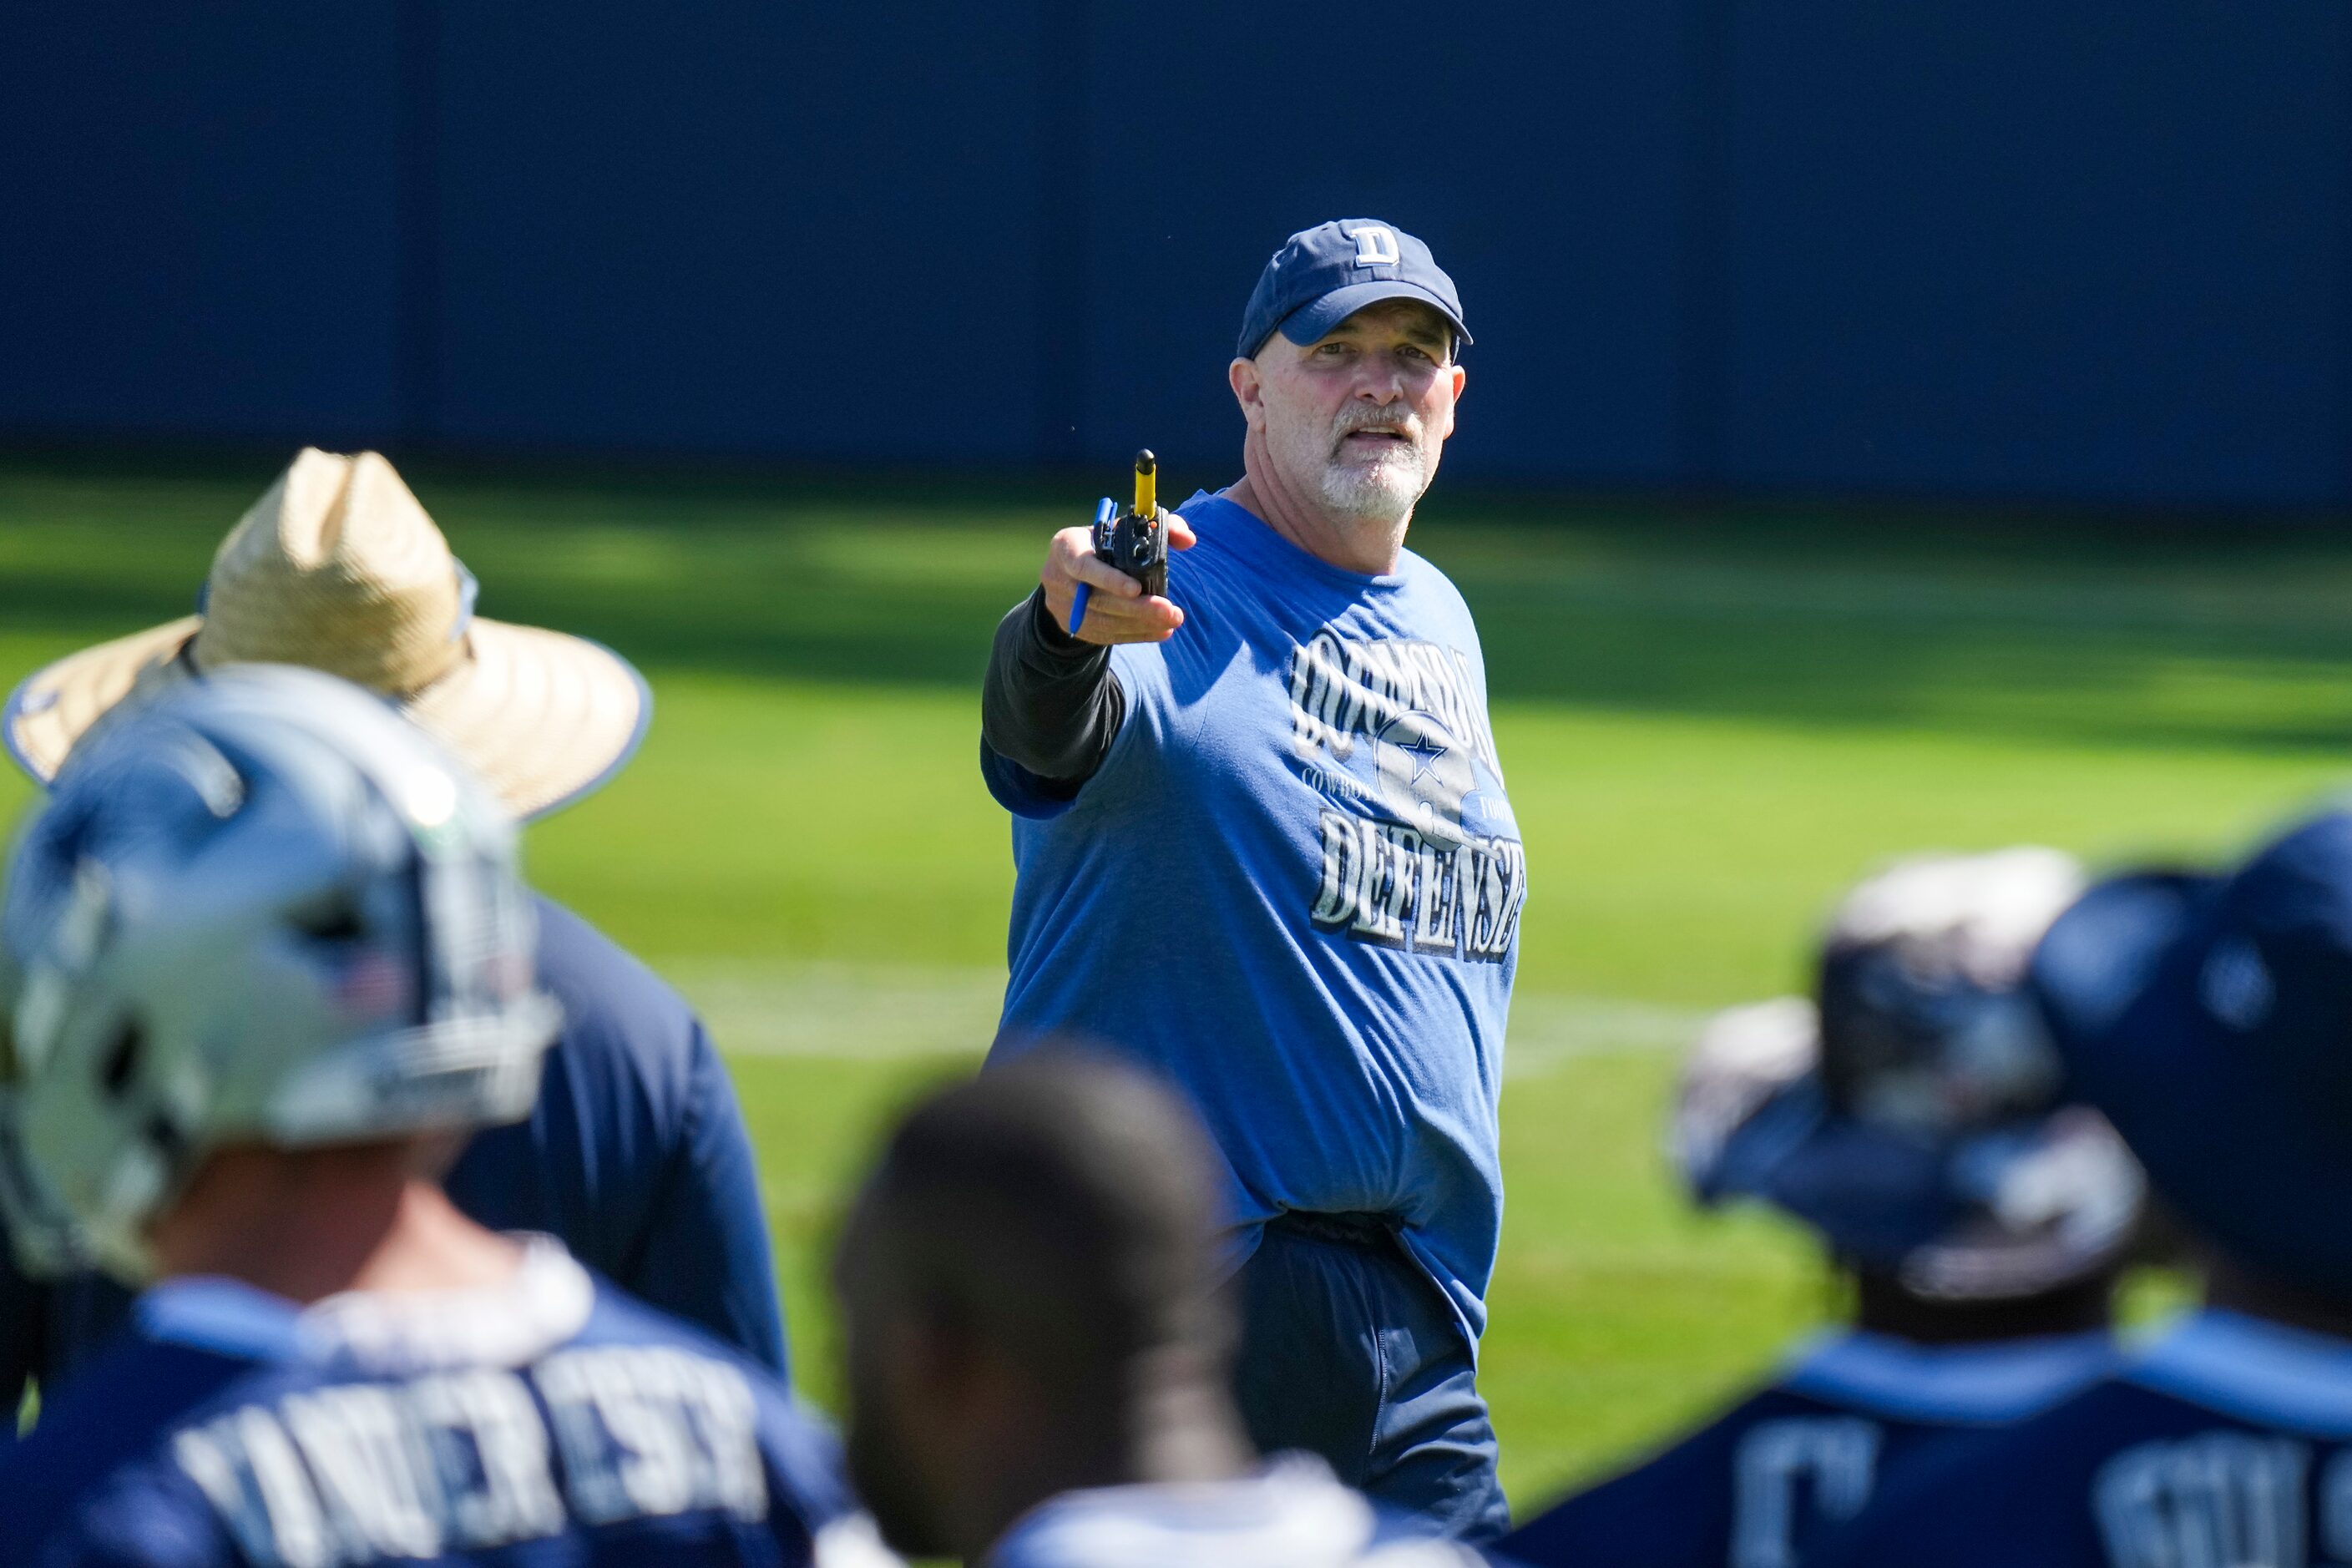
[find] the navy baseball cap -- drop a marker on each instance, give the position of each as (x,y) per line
(1328,273)
(2210,1017)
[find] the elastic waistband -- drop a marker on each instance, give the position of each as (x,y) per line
(1377,1230)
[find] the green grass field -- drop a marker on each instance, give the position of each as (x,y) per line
(1709,726)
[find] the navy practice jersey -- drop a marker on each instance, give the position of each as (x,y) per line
(2228,1444)
(1760,1485)
(1291,1513)
(550,1420)
(634,1157)
(1294,888)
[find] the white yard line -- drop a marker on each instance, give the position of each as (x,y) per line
(1548,1030)
(845,1010)
(868,1011)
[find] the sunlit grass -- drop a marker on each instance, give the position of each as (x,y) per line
(1707,727)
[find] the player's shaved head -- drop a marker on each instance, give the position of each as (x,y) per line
(1036,1250)
(1063,1205)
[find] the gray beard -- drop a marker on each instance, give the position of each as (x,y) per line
(1382,492)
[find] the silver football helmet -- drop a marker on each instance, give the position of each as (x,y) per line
(260,908)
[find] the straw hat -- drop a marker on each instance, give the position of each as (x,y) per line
(339,568)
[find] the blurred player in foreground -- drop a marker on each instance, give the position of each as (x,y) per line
(2210,1017)
(1913,1119)
(1038,1346)
(635,1153)
(1264,845)
(267,961)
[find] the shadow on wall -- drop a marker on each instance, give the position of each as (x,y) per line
(2092,251)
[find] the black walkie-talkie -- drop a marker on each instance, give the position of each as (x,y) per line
(1136,541)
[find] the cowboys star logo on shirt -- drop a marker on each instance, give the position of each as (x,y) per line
(1424,775)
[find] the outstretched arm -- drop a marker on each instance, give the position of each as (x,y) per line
(1051,705)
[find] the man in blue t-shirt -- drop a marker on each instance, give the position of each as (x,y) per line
(1912,1115)
(1264,846)
(634,1154)
(2206,1015)
(265,962)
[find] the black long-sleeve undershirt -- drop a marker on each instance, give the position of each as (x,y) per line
(1049,703)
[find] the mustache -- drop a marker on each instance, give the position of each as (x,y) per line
(1354,419)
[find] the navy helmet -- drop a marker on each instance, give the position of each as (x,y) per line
(2210,1017)
(1913,1111)
(1323,275)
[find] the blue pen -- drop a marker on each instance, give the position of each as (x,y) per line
(1105,511)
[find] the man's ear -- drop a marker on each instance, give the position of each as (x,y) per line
(1249,391)
(1461,378)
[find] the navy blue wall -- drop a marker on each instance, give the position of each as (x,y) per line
(198,233)
(2087,250)
(1542,151)
(2071,246)
(736,228)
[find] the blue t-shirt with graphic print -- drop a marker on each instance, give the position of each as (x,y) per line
(1293,887)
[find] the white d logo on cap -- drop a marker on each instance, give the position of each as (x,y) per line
(1375,246)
